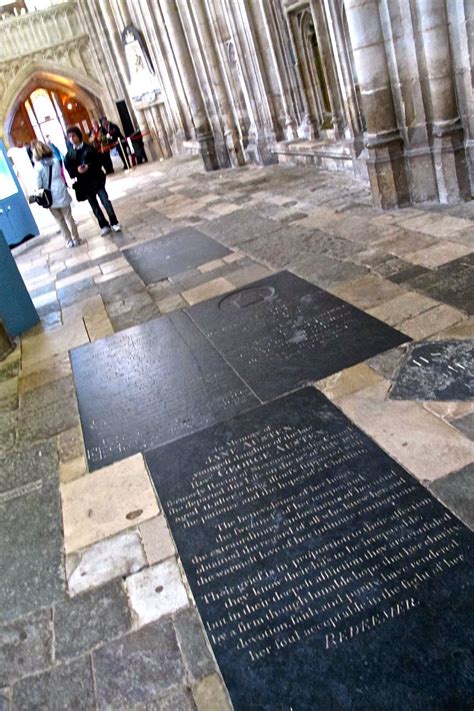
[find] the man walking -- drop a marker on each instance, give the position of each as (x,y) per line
(83,164)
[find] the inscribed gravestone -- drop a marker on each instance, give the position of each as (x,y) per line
(151,384)
(326,576)
(439,370)
(172,254)
(282,332)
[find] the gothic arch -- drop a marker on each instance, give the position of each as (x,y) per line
(49,74)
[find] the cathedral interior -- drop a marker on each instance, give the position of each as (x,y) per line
(237,426)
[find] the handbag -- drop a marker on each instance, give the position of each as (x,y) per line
(81,191)
(45,197)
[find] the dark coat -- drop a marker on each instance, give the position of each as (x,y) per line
(94,179)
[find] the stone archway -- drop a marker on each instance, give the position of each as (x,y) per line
(48,75)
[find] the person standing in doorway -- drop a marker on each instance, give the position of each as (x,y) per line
(48,170)
(115,138)
(84,166)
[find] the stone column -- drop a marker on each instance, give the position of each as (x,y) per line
(386,163)
(189,79)
(447,133)
(320,26)
(231,133)
(147,132)
(161,131)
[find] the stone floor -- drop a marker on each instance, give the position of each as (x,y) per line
(95,611)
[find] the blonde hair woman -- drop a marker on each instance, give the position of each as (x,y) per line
(61,206)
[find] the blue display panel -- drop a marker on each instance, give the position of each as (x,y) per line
(16,307)
(16,220)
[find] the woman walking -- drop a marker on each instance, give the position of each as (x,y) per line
(49,176)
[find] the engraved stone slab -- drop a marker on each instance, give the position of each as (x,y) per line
(325,575)
(282,332)
(437,370)
(149,385)
(172,254)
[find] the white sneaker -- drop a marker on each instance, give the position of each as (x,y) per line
(116,228)
(105,230)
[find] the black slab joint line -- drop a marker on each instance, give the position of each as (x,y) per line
(151,384)
(326,576)
(436,370)
(173,253)
(282,332)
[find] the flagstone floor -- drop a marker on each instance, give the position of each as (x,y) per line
(95,611)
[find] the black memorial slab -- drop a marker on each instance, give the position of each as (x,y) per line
(172,254)
(282,332)
(436,370)
(151,384)
(326,576)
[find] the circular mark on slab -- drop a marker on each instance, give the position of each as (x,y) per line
(245,298)
(159,589)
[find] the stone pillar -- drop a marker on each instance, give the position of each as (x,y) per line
(161,134)
(320,26)
(189,80)
(147,132)
(451,168)
(386,162)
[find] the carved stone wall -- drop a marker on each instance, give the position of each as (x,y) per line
(382,88)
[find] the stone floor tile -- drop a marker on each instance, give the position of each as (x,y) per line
(438,254)
(72,469)
(156,540)
(8,430)
(26,646)
(402,307)
(210,266)
(387,364)
(116,557)
(348,381)
(114,265)
(178,699)
(70,444)
(439,226)
(367,291)
(171,303)
(10,366)
(6,699)
(242,277)
(462,329)
(234,257)
(90,619)
(139,668)
(421,442)
(155,592)
(47,410)
(104,503)
(9,394)
(207,290)
(44,299)
(403,242)
(113,275)
(194,644)
(223,208)
(456,491)
(465,425)
(48,372)
(69,687)
(210,694)
(79,276)
(56,342)
(430,322)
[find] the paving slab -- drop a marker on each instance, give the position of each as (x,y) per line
(465,425)
(282,332)
(440,370)
(151,384)
(301,543)
(155,592)
(115,557)
(173,253)
(90,619)
(456,491)
(139,668)
(69,687)
(111,500)
(26,646)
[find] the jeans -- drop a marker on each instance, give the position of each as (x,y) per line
(104,198)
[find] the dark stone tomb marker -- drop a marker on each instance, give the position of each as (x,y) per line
(437,370)
(149,385)
(282,332)
(326,576)
(172,254)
